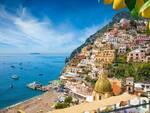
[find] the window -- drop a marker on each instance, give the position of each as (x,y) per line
(143,86)
(147,87)
(100,97)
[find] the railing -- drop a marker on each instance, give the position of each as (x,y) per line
(128,107)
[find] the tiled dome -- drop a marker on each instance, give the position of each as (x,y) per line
(103,85)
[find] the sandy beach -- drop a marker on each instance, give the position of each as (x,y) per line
(39,104)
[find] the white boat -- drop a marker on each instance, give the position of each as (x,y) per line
(15,77)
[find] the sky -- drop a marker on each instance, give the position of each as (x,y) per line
(49,26)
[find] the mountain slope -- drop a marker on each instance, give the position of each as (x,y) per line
(91,39)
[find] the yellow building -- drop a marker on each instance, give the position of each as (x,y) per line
(103,88)
(85,50)
(106,56)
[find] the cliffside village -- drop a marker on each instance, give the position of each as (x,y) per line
(85,76)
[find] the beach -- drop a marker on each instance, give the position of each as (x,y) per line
(39,104)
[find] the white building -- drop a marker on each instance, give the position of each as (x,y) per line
(145,87)
(122,50)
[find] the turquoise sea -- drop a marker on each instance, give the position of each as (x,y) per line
(28,67)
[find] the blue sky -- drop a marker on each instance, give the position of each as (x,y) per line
(49,26)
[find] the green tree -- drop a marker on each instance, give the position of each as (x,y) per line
(61,105)
(68,99)
(144,71)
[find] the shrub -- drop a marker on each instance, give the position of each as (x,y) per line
(68,99)
(61,105)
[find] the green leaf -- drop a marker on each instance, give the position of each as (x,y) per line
(146,5)
(130,4)
(134,13)
(145,0)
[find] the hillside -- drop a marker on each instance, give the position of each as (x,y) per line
(100,32)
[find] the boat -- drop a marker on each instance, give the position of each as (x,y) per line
(15,77)
(41,74)
(12,66)
(34,85)
(34,53)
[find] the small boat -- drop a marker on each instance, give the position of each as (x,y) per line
(12,66)
(41,74)
(15,77)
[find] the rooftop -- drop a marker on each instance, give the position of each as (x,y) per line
(95,104)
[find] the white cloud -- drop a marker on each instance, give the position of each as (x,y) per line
(26,33)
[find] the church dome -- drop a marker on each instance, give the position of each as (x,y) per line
(103,85)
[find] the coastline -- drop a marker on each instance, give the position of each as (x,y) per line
(36,104)
(21,102)
(26,67)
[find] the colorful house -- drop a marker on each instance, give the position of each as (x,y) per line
(137,55)
(106,56)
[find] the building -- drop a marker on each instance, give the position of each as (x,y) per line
(142,40)
(102,89)
(105,56)
(84,51)
(142,87)
(137,55)
(74,61)
(122,50)
(112,39)
(147,59)
(130,84)
(124,23)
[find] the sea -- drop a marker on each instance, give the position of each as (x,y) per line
(41,68)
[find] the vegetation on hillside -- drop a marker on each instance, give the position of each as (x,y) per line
(140,71)
(65,104)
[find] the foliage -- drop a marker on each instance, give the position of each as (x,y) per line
(144,95)
(137,8)
(130,4)
(108,109)
(68,99)
(121,58)
(66,103)
(89,79)
(61,105)
(144,71)
(140,71)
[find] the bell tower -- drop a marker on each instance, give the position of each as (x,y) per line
(130,85)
